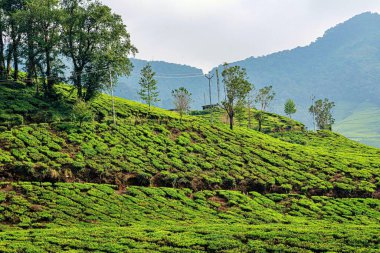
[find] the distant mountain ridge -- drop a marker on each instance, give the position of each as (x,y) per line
(343,65)
(169,76)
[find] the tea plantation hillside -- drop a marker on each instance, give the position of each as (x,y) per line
(151,183)
(270,122)
(155,149)
(75,217)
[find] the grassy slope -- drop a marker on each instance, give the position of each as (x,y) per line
(164,152)
(160,151)
(362,124)
(271,122)
(174,220)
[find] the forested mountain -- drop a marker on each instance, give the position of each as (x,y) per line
(343,65)
(169,76)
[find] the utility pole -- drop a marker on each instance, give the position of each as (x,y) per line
(218,85)
(249,102)
(113,99)
(312,100)
(209,77)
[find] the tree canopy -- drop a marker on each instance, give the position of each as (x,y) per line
(87,32)
(265,97)
(237,88)
(322,111)
(182,100)
(290,108)
(148,91)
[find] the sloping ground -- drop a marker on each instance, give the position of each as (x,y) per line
(362,124)
(86,217)
(188,155)
(161,151)
(288,183)
(270,122)
(19,105)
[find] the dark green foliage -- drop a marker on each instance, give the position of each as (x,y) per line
(87,217)
(281,180)
(148,92)
(322,112)
(82,112)
(237,88)
(290,108)
(96,41)
(162,152)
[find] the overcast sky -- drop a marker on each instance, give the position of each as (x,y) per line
(205,33)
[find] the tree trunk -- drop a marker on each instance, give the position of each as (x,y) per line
(78,80)
(40,70)
(49,78)
(231,116)
(31,62)
(9,62)
(78,84)
(260,124)
(15,63)
(16,39)
(2,59)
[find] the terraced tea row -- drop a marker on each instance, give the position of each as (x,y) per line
(192,155)
(31,205)
(86,217)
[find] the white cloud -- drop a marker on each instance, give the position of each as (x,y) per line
(205,33)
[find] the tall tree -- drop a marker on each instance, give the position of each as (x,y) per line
(93,36)
(265,97)
(322,109)
(10,7)
(290,108)
(237,88)
(2,45)
(40,21)
(148,84)
(182,100)
(28,27)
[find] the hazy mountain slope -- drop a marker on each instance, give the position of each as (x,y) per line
(363,124)
(343,65)
(169,76)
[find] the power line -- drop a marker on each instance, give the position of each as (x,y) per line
(171,75)
(218,84)
(179,74)
(178,77)
(209,77)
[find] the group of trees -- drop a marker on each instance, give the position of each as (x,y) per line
(149,94)
(238,96)
(43,34)
(321,111)
(322,116)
